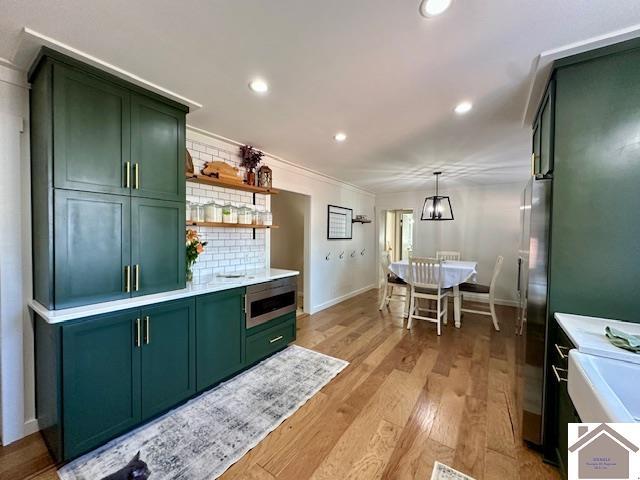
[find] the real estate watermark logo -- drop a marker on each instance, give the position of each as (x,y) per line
(604,451)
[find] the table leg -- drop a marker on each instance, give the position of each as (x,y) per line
(456,305)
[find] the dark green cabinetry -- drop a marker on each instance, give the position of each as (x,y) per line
(92,238)
(107,160)
(220,336)
(157,245)
(266,339)
(101,372)
(543,132)
(168,355)
(99,377)
(157,149)
(91,132)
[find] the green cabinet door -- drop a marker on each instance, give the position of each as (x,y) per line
(157,245)
(92,247)
(536,148)
(168,355)
(91,132)
(158,149)
(220,336)
(101,372)
(546,131)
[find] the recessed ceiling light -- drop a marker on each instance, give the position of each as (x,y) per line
(259,86)
(432,8)
(340,137)
(463,107)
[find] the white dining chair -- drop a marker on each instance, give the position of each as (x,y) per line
(424,281)
(488,292)
(448,255)
(391,281)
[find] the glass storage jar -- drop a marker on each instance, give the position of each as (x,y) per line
(197,213)
(267,218)
(213,212)
(244,215)
(257,216)
(187,212)
(226,213)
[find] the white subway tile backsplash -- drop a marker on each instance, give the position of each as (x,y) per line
(227,250)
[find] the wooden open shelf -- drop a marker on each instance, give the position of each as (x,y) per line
(205,180)
(227,225)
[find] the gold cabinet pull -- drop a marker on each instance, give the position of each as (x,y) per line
(147,337)
(556,371)
(136,176)
(138,342)
(127,174)
(136,277)
(127,278)
(560,349)
(273,340)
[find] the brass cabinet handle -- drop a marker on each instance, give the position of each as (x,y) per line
(127,278)
(558,377)
(533,164)
(136,176)
(147,337)
(136,277)
(560,351)
(138,342)
(273,340)
(127,174)
(245,305)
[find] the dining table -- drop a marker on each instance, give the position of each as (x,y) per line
(454,273)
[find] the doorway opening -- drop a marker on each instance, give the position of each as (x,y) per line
(287,244)
(398,234)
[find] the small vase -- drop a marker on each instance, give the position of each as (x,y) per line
(251,177)
(189,275)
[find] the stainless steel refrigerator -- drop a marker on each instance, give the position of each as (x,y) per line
(533,281)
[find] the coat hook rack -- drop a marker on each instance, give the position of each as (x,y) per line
(328,255)
(342,254)
(353,254)
(362,252)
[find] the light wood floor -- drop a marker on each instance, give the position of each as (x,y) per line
(408,398)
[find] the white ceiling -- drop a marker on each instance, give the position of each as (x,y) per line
(375,69)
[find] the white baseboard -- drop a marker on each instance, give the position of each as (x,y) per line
(484,299)
(334,301)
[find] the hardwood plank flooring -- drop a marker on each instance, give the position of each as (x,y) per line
(407,399)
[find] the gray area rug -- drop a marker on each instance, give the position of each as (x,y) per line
(207,435)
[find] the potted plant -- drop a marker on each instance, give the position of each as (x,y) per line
(250,158)
(194,248)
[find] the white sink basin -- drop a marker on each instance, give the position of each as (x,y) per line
(603,389)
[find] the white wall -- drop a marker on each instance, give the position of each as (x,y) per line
(16,334)
(287,242)
(486,224)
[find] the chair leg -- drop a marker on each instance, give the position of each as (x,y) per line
(411,311)
(494,317)
(439,307)
(384,295)
(446,301)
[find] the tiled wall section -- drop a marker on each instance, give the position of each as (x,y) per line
(229,249)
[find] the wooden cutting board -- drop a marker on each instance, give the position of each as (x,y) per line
(222,171)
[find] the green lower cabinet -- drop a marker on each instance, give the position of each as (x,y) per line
(275,335)
(101,380)
(220,336)
(566,414)
(168,355)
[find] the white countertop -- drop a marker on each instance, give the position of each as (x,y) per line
(587,334)
(216,284)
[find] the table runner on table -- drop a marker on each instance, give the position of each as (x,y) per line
(453,272)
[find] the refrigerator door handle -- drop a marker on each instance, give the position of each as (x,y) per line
(519,272)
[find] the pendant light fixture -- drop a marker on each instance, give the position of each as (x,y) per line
(437,207)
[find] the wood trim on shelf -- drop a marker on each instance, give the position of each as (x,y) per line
(227,225)
(205,180)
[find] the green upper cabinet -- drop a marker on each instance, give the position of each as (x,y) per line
(543,134)
(92,247)
(95,134)
(168,355)
(91,132)
(101,372)
(157,245)
(158,149)
(220,336)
